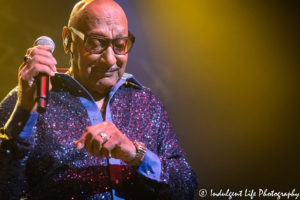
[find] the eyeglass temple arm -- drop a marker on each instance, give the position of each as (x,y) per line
(81,35)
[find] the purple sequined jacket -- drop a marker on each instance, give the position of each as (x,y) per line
(47,165)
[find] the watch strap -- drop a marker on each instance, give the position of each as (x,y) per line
(140,153)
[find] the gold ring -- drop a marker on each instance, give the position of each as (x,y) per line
(27,58)
(104,137)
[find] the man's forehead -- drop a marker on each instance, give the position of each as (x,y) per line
(91,14)
(101,16)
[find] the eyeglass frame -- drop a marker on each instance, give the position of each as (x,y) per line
(109,41)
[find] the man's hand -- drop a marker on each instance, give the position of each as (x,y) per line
(42,61)
(117,146)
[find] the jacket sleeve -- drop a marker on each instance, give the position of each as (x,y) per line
(176,180)
(15,142)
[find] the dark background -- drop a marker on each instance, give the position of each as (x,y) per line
(227,72)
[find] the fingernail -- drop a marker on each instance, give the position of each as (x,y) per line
(55,62)
(79,145)
(76,142)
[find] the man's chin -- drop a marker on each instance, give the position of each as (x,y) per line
(102,85)
(105,85)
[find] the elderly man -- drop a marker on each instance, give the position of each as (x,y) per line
(104,135)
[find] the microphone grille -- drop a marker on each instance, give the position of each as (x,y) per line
(44,40)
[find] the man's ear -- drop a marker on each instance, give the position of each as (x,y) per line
(66,39)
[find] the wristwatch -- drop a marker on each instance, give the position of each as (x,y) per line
(140,153)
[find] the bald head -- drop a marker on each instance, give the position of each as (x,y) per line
(94,12)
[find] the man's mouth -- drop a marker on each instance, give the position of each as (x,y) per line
(105,72)
(112,69)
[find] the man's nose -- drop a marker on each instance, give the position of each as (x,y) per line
(108,56)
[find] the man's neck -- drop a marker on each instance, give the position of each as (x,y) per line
(101,101)
(98,96)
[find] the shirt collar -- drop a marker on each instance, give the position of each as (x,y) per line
(66,82)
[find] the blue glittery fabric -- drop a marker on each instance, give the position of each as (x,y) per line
(48,165)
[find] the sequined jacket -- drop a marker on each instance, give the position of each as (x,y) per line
(38,159)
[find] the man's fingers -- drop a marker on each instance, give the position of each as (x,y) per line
(34,71)
(36,65)
(93,138)
(88,144)
(43,52)
(92,144)
(79,145)
(97,147)
(108,148)
(40,59)
(43,47)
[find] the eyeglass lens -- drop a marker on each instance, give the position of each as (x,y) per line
(98,45)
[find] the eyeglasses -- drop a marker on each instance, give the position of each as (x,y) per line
(96,44)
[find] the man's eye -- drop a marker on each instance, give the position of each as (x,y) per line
(120,43)
(95,43)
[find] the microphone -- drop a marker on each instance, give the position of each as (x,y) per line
(42,79)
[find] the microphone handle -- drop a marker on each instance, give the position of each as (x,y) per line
(42,92)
